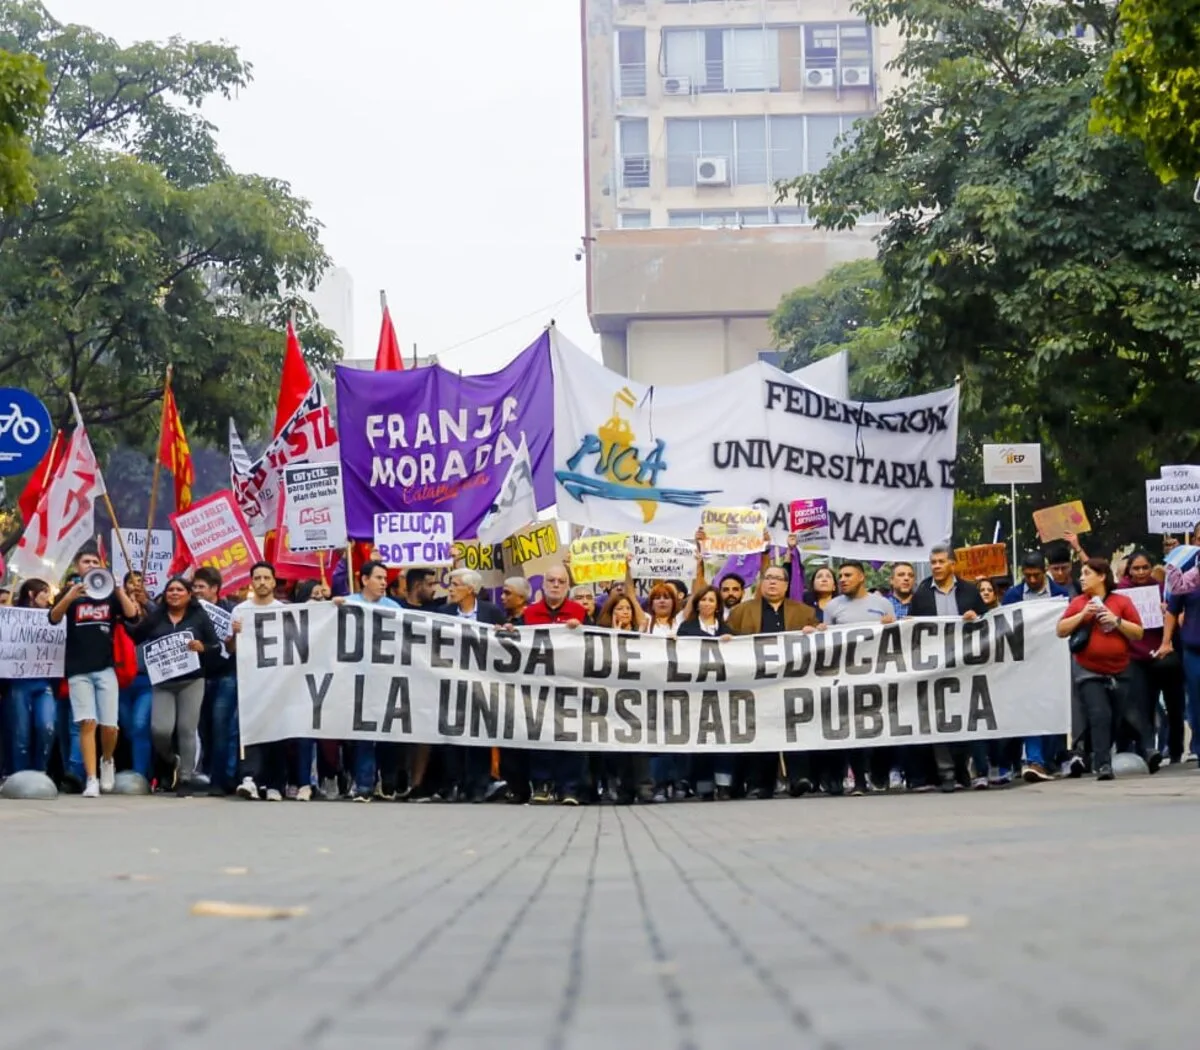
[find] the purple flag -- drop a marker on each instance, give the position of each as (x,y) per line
(430,439)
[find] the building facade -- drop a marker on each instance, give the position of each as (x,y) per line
(693,111)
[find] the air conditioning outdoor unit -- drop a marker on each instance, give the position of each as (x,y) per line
(677,86)
(712,171)
(856,76)
(818,78)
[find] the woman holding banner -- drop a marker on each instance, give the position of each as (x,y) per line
(176,634)
(32,709)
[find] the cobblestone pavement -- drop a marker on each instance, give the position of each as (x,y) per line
(1054,916)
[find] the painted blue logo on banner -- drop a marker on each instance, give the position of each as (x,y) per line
(25,431)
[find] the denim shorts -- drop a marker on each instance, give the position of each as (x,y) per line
(95,697)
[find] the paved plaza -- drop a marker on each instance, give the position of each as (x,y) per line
(1056,916)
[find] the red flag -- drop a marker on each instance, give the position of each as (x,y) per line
(40,478)
(388,357)
(175,453)
(294,383)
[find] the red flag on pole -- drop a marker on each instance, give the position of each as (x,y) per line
(388,357)
(294,383)
(40,478)
(174,452)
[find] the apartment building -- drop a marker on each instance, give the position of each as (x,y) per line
(693,111)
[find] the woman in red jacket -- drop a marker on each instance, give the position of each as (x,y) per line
(1107,623)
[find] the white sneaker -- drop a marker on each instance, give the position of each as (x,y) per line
(92,790)
(304,793)
(248,789)
(895,780)
(273,795)
(108,776)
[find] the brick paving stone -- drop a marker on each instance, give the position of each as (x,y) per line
(681,927)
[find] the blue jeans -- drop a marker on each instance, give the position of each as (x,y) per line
(1191,683)
(1043,750)
(68,743)
(223,762)
(33,714)
(306,755)
(134,718)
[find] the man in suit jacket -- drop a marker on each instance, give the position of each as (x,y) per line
(465,603)
(772,612)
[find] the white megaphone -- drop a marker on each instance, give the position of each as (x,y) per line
(98,584)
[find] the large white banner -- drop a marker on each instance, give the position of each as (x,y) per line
(353,672)
(632,458)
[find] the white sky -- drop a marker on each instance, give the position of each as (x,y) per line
(440,143)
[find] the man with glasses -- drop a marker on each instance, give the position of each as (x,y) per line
(775,613)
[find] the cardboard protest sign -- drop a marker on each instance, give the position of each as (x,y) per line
(420,538)
(810,523)
(487,559)
(984,559)
(1053,523)
(733,530)
(162,551)
(599,559)
(314,517)
(216,534)
(661,557)
(170,657)
(533,550)
(1148,603)
(1172,503)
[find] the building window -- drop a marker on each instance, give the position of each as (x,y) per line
(634,138)
(631,63)
(720,217)
(633,220)
(837,56)
(703,60)
(789,216)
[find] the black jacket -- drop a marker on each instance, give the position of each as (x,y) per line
(485,612)
(966,597)
(158,625)
(692,629)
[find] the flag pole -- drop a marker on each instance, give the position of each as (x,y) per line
(162,427)
(350,565)
(414,355)
(382,301)
(112,514)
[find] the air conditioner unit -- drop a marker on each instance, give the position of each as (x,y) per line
(815,77)
(712,171)
(677,85)
(856,76)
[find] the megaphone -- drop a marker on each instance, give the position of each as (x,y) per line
(98,584)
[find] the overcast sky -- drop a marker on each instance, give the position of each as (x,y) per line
(439,143)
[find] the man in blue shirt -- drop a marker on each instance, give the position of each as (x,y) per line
(1185,638)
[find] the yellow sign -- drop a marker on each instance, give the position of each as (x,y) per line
(1053,523)
(733,530)
(599,559)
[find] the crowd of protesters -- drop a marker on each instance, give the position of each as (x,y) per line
(1135,689)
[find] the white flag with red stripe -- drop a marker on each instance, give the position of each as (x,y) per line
(65,518)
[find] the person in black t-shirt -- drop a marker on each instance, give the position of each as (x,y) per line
(89,667)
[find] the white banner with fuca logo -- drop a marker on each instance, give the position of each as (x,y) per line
(353,672)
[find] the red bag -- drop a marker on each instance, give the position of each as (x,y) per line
(124,657)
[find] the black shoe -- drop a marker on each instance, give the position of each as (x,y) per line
(1154,761)
(799,786)
(71,785)
(1076,768)
(835,788)
(496,790)
(1105,772)
(723,794)
(948,785)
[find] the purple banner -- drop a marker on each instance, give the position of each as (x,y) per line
(430,439)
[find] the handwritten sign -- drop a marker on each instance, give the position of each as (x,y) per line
(314,515)
(1053,523)
(1172,503)
(533,550)
(162,551)
(599,559)
(415,538)
(733,530)
(487,559)
(30,645)
(984,559)
(810,523)
(1148,603)
(661,558)
(170,657)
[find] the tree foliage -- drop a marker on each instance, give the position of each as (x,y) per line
(1045,266)
(23,94)
(143,247)
(1152,84)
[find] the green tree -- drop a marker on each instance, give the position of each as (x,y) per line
(1152,84)
(1045,266)
(143,247)
(23,93)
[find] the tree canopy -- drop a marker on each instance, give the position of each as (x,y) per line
(143,246)
(23,94)
(1152,84)
(1044,265)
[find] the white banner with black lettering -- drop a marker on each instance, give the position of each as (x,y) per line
(30,645)
(352,672)
(635,458)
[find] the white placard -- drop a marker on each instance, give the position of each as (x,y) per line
(169,657)
(1012,464)
(30,645)
(221,619)
(1148,602)
(1172,504)
(661,558)
(415,538)
(329,672)
(314,514)
(634,458)
(1180,470)
(162,551)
